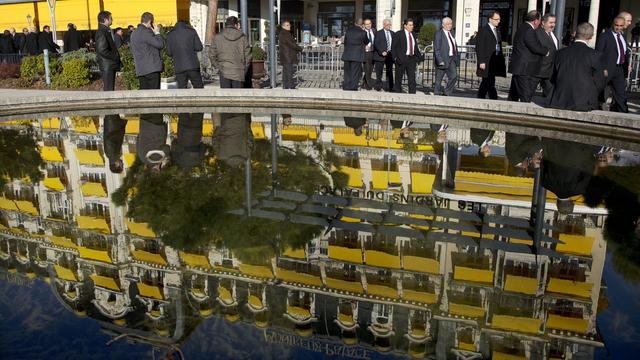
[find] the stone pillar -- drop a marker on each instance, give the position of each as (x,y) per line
(384,11)
(359,9)
(593,20)
(532,5)
(466,19)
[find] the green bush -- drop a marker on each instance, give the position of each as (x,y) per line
(75,73)
(84,54)
(167,61)
(32,68)
(128,71)
(257,53)
(427,34)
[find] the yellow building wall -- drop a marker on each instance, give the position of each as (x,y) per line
(15,16)
(165,12)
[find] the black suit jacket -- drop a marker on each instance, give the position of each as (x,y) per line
(578,78)
(567,167)
(380,44)
(106,51)
(608,46)
(399,48)
(546,67)
(486,53)
(31,44)
(72,40)
(45,41)
(441,45)
(355,41)
(527,54)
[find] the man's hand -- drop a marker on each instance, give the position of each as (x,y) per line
(156,28)
(441,63)
(606,73)
(384,53)
(483,66)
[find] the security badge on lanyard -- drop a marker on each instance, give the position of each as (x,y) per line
(497,48)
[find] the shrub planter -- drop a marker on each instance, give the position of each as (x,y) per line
(257,72)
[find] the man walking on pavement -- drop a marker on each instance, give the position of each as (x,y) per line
(489,56)
(546,37)
(445,56)
(353,56)
(288,53)
(382,56)
(615,57)
(526,58)
(368,56)
(406,56)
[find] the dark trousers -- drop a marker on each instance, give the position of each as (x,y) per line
(521,88)
(379,65)
(352,75)
(488,86)
(113,130)
(617,82)
(545,83)
(149,81)
(194,76)
(408,68)
(230,84)
(288,73)
(368,70)
(108,80)
(452,77)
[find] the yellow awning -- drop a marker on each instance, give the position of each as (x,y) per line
(420,264)
(89,157)
(521,284)
(296,277)
(419,296)
(347,137)
(257,129)
(65,274)
(91,223)
(194,260)
(422,183)
(83,125)
(26,207)
(207,128)
(129,159)
(165,12)
(354,175)
(133,127)
(299,312)
(296,254)
(345,254)
(384,291)
(62,241)
(350,286)
(15,15)
(225,295)
(255,301)
(148,257)
(6,204)
(51,123)
(568,287)
(516,323)
(50,153)
(575,245)
(105,282)
(91,254)
(496,355)
(462,273)
(93,189)
(566,323)
(141,229)
(83,13)
(53,183)
(466,310)
(382,179)
(382,259)
(150,291)
(258,271)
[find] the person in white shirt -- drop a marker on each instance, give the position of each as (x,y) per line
(445,56)
(547,38)
(406,55)
(382,56)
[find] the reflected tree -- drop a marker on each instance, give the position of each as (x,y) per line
(19,156)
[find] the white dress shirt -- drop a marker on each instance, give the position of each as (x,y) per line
(624,46)
(553,37)
(450,38)
(413,41)
(371,37)
(388,36)
(494,31)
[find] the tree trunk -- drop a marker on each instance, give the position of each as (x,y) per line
(212,20)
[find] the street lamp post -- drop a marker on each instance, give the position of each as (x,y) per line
(29,21)
(52,13)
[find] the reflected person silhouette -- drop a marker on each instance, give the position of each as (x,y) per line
(152,141)
(233,139)
(113,131)
(187,150)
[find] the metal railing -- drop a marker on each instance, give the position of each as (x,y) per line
(11,58)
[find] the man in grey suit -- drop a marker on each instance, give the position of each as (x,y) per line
(546,37)
(445,55)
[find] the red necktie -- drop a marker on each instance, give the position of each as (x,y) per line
(620,50)
(410,45)
(453,44)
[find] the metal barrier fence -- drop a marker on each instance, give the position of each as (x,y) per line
(11,58)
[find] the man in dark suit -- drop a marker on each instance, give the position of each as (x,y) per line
(288,55)
(546,37)
(368,56)
(578,74)
(45,41)
(445,57)
(406,55)
(526,58)
(19,39)
(615,58)
(382,55)
(31,42)
(489,56)
(355,41)
(72,39)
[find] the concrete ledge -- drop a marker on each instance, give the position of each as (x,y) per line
(422,108)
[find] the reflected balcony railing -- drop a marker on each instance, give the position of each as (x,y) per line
(298,272)
(473,261)
(346,279)
(345,246)
(514,305)
(419,290)
(473,268)
(567,271)
(382,252)
(521,279)
(382,284)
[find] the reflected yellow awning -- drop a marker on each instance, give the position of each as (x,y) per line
(575,245)
(346,319)
(257,129)
(296,254)
(129,159)
(419,296)
(148,257)
(150,291)
(132,127)
(65,274)
(299,312)
(566,323)
(384,291)
(347,137)
(194,260)
(258,271)
(51,123)
(384,143)
(382,178)
(422,183)
(568,287)
(62,241)
(91,254)
(84,125)
(296,277)
(466,310)
(93,189)
(382,259)
(26,207)
(89,157)
(105,282)
(354,176)
(225,294)
(462,273)
(350,286)
(299,133)
(92,223)
(521,284)
(345,254)
(6,204)
(255,301)
(516,323)
(466,346)
(420,264)
(50,153)
(207,128)
(141,229)
(496,355)
(53,184)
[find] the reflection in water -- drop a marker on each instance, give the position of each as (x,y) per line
(409,237)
